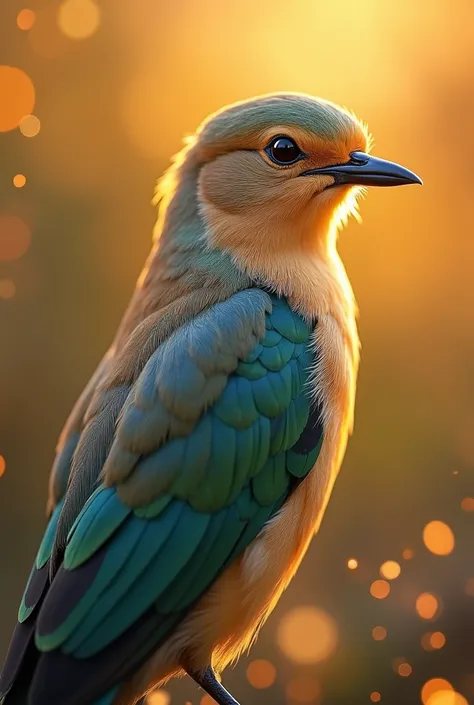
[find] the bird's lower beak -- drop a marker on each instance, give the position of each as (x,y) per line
(365,170)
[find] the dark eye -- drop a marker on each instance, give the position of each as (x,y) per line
(283,150)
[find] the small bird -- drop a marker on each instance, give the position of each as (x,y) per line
(197,464)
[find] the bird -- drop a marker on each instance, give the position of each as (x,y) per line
(196,466)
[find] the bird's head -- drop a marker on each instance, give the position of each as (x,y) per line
(281,171)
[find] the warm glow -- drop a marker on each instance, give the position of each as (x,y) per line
(19,180)
(158,697)
(30,126)
(17,97)
(303,689)
(404,669)
(434,685)
(207,700)
(446,697)
(25,19)
(375,697)
(469,587)
(438,538)
(307,635)
(352,563)
(78,19)
(437,640)
(427,605)
(380,589)
(3,465)
(408,554)
(7,289)
(467,504)
(390,570)
(261,673)
(14,237)
(379,633)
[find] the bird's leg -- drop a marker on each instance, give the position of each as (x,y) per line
(208,682)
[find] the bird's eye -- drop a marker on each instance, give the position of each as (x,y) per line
(283,150)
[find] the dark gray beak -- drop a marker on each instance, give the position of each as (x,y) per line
(365,170)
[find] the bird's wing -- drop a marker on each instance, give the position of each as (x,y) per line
(210,441)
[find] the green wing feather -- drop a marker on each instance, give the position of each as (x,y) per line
(202,459)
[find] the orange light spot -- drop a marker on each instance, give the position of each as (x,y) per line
(307,635)
(78,19)
(261,674)
(427,605)
(303,689)
(437,640)
(19,180)
(467,504)
(438,538)
(404,669)
(25,19)
(434,685)
(352,563)
(469,587)
(375,697)
(17,97)
(7,289)
(408,554)
(3,465)
(14,237)
(158,697)
(390,570)
(379,633)
(380,589)
(30,126)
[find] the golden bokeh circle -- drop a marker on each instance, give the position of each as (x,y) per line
(446,697)
(307,635)
(158,697)
(352,563)
(379,633)
(432,686)
(390,570)
(26,19)
(427,605)
(3,465)
(30,126)
(7,291)
(261,674)
(438,538)
(380,589)
(78,19)
(17,97)
(19,180)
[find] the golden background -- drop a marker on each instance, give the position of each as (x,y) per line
(100,99)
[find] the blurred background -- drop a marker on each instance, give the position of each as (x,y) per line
(95,98)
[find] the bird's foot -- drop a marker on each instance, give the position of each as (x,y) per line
(208,682)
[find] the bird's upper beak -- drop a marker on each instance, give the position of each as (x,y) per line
(364,170)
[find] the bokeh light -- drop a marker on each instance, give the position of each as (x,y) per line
(438,538)
(307,635)
(303,689)
(404,669)
(434,685)
(158,697)
(30,126)
(25,19)
(19,180)
(15,237)
(3,465)
(78,19)
(207,700)
(7,289)
(352,563)
(379,633)
(375,696)
(467,504)
(380,589)
(17,97)
(408,554)
(427,605)
(390,570)
(261,673)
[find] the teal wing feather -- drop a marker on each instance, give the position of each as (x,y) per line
(205,452)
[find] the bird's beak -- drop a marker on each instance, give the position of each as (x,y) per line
(364,170)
